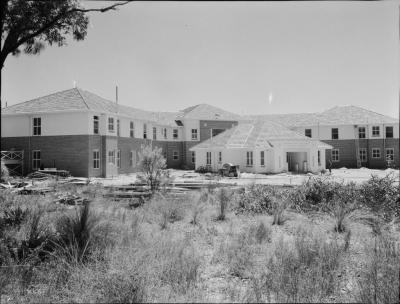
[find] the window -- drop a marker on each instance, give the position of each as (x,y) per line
(361,132)
(119,158)
(111,157)
(118,128)
(175,134)
(249,158)
(208,156)
(111,124)
(95,124)
(175,155)
(308,133)
(362,154)
(220,157)
(164,132)
(154,133)
(96,159)
(215,132)
(131,129)
(37,126)
(36,159)
(335,133)
(132,159)
(389,132)
(193,157)
(164,154)
(194,134)
(375,131)
(376,153)
(319,158)
(389,154)
(144,131)
(262,161)
(335,155)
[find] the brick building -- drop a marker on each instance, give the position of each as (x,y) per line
(90,136)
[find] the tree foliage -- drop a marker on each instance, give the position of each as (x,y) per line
(152,164)
(29,25)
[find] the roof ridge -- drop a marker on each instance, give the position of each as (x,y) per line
(84,101)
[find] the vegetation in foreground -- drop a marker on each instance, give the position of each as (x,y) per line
(320,242)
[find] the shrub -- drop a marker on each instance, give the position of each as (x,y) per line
(279,205)
(256,199)
(80,235)
(310,195)
(152,164)
(379,280)
(381,196)
(262,233)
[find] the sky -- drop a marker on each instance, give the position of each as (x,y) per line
(244,57)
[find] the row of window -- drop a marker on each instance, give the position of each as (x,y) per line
(362,153)
(361,132)
(249,158)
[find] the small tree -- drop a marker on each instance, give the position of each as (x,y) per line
(152,164)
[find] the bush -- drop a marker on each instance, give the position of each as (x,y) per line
(310,195)
(256,199)
(279,205)
(261,233)
(381,196)
(152,164)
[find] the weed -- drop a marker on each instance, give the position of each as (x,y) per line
(223,200)
(279,205)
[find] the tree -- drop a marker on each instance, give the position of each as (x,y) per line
(152,164)
(29,25)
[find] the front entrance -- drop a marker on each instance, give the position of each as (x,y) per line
(297,162)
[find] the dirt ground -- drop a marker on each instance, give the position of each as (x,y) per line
(341,175)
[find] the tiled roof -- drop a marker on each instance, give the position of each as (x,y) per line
(208,112)
(340,115)
(259,134)
(81,100)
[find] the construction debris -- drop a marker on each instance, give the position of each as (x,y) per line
(70,199)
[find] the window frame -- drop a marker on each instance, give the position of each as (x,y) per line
(154,133)
(335,158)
(111,157)
(36,162)
(208,158)
(262,158)
(131,129)
(363,157)
(111,126)
(249,159)
(132,158)
(376,132)
(392,154)
(37,126)
(310,131)
(118,127)
(386,132)
(334,134)
(373,152)
(193,157)
(363,131)
(96,159)
(194,134)
(175,155)
(144,131)
(96,124)
(118,158)
(175,134)
(319,157)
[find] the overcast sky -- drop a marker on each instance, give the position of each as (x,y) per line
(249,58)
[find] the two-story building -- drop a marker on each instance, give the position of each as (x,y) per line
(90,136)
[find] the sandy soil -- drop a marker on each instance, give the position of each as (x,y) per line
(341,175)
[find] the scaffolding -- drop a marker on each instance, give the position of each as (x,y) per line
(14,161)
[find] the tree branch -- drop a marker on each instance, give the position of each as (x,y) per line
(56,19)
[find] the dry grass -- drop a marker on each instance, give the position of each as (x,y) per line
(172,249)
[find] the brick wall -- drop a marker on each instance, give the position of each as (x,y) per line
(349,148)
(67,152)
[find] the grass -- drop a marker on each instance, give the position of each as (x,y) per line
(220,245)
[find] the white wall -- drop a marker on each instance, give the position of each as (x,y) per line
(188,125)
(51,124)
